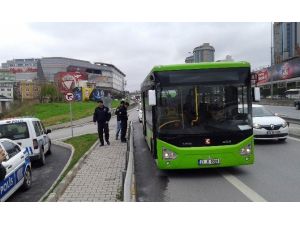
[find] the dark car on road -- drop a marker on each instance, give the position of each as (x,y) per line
(297,104)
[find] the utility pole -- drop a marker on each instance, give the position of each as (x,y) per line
(272,61)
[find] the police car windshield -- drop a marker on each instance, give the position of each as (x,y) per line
(14,131)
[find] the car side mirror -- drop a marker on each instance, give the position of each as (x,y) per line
(48,131)
(137,109)
(152,97)
(276,114)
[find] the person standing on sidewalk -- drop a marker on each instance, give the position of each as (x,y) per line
(118,119)
(124,119)
(102,117)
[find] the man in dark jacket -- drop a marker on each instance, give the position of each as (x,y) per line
(102,117)
(2,168)
(118,119)
(123,117)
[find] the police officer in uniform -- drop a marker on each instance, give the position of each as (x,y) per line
(102,116)
(118,119)
(123,117)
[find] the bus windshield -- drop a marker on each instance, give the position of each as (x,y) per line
(203,109)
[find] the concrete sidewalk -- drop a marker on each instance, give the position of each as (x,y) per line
(100,177)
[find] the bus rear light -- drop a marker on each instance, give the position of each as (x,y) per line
(168,155)
(35,144)
(246,150)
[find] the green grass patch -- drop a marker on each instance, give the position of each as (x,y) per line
(81,145)
(57,113)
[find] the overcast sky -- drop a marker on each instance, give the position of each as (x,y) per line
(136,47)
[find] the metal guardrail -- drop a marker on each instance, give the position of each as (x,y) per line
(128,186)
(291,120)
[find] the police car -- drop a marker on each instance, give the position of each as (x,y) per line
(30,133)
(18,169)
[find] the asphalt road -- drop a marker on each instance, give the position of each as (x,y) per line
(275,176)
(286,111)
(43,176)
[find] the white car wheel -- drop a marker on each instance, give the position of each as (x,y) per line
(42,157)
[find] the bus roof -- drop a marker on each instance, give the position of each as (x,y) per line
(204,65)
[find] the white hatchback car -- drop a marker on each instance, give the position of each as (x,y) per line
(140,115)
(268,126)
(30,133)
(18,169)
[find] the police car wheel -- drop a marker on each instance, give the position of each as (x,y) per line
(42,158)
(27,179)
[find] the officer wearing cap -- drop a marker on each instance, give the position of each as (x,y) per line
(123,117)
(119,118)
(102,116)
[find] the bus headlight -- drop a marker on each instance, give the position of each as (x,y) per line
(256,126)
(246,150)
(168,155)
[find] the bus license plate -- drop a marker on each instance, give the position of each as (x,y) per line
(208,161)
(270,132)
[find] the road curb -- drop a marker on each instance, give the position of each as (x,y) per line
(61,187)
(71,148)
(129,192)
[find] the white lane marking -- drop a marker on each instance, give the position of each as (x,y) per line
(247,191)
(295,139)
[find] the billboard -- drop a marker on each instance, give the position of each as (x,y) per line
(86,92)
(97,94)
(92,94)
(282,71)
(77,94)
(67,81)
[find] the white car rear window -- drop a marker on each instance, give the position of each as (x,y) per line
(14,131)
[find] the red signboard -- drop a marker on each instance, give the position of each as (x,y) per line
(283,71)
(263,76)
(23,70)
(66,81)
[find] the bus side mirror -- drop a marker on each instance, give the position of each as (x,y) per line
(256,94)
(152,97)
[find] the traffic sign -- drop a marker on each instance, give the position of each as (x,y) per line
(69,96)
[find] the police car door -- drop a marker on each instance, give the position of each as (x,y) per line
(14,169)
(45,136)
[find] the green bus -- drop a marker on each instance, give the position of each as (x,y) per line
(199,115)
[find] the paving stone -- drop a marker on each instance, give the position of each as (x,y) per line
(100,176)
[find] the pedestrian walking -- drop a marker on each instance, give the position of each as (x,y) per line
(124,118)
(118,119)
(102,116)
